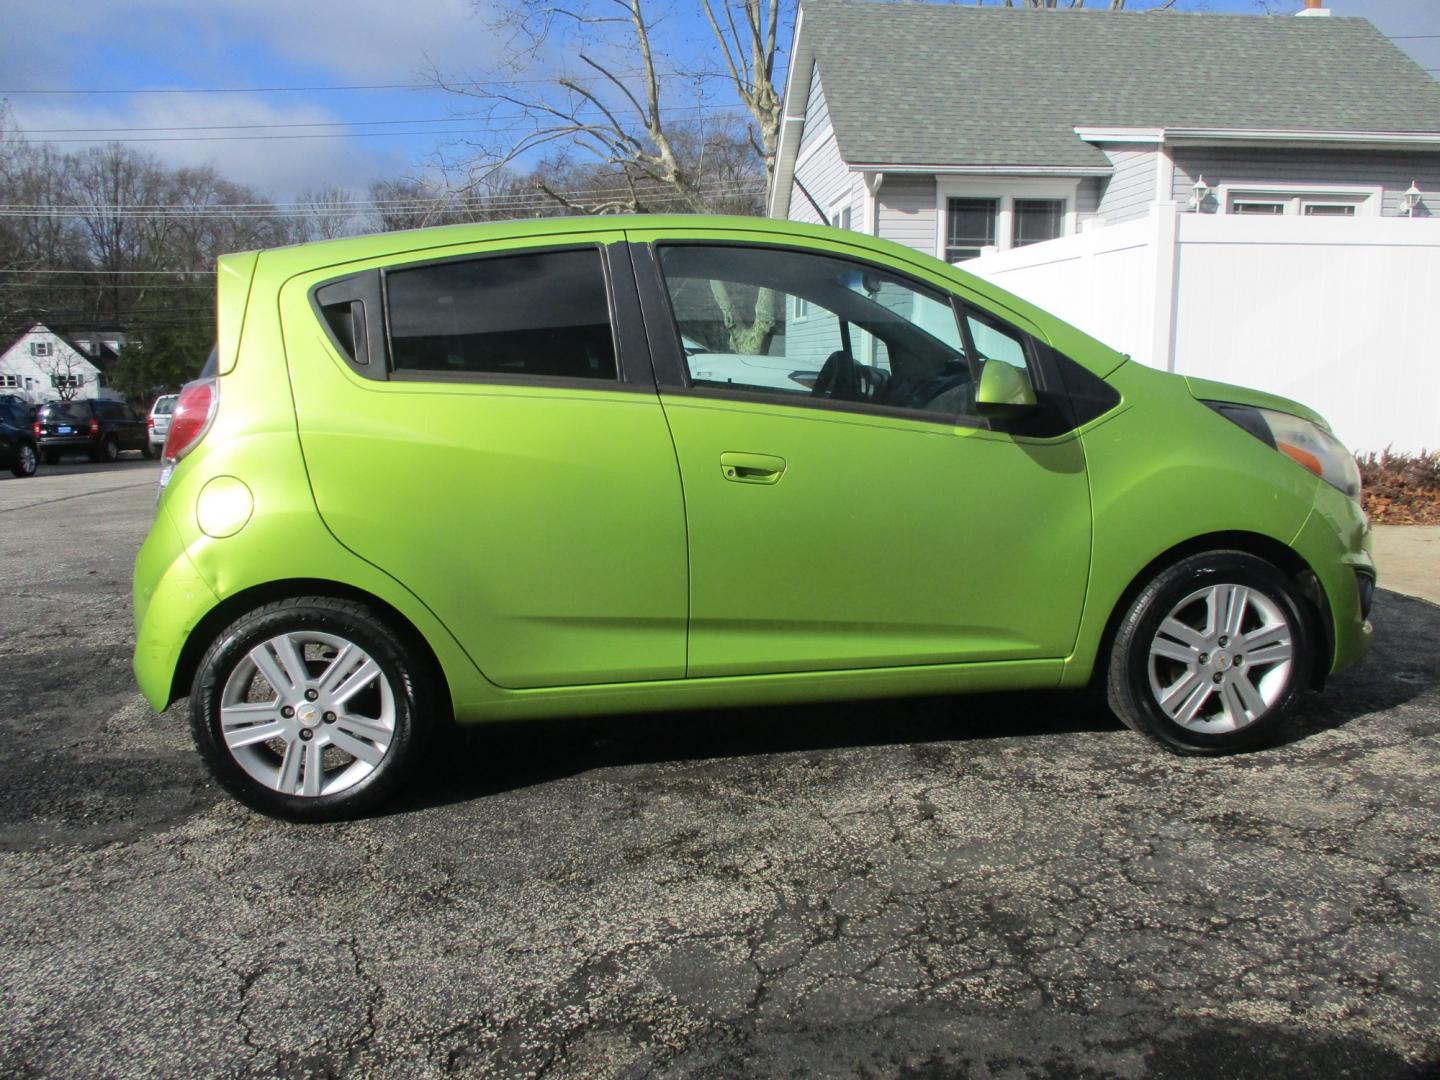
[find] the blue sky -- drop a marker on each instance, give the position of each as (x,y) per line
(88,45)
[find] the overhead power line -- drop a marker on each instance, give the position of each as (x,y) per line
(510,119)
(455,87)
(522,201)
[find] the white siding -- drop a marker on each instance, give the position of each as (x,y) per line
(1230,165)
(817,112)
(35,375)
(1131,188)
(907,211)
(819,167)
(1087,199)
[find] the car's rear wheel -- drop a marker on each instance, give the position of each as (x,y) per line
(26,461)
(108,451)
(150,450)
(1211,654)
(310,709)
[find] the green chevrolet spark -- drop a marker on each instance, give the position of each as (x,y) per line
(580,466)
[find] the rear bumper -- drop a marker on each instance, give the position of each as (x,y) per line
(68,442)
(170,598)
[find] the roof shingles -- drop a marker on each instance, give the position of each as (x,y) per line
(915,83)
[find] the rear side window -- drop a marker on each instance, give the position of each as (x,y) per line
(543,314)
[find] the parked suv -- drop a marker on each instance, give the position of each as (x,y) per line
(103,429)
(18,452)
(480,473)
(159,421)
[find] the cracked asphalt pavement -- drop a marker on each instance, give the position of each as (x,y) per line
(1003,886)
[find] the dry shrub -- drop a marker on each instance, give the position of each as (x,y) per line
(1401,489)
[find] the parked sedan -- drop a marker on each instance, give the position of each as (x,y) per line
(18,452)
(496,472)
(102,429)
(159,421)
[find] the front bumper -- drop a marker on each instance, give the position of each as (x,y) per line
(1335,540)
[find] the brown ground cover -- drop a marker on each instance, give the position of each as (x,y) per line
(1401,489)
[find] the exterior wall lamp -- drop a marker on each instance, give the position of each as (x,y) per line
(1411,199)
(1199,192)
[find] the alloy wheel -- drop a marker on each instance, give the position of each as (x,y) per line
(308,713)
(1221,659)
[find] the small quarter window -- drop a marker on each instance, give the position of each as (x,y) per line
(538,314)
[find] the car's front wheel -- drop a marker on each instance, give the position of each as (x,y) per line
(1211,654)
(310,709)
(26,461)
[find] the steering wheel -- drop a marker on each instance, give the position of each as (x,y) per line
(837,378)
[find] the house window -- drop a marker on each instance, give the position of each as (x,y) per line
(1299,201)
(840,218)
(67,382)
(970,227)
(1252,206)
(42,348)
(10,381)
(1037,220)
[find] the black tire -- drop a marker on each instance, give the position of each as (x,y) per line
(1212,678)
(107,452)
(354,622)
(52,457)
(27,460)
(150,450)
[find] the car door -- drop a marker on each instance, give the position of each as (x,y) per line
(482,423)
(866,517)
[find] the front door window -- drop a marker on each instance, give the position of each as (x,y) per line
(803,325)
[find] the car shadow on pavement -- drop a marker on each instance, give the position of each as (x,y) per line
(488,759)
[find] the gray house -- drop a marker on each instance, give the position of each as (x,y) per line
(961,130)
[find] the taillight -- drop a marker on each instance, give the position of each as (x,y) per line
(150,422)
(37,429)
(191,418)
(94,427)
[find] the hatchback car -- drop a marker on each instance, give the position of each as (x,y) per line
(476,473)
(18,451)
(158,421)
(100,428)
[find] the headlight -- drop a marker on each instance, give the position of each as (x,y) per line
(1304,442)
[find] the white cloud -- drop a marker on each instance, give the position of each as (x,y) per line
(280,168)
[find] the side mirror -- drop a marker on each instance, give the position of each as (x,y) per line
(1004,390)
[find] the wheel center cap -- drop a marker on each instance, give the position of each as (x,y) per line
(308,715)
(1222,661)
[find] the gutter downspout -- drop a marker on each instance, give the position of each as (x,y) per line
(873,183)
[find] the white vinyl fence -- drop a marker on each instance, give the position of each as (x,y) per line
(1342,314)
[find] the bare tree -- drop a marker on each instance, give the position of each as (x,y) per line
(622,106)
(64,371)
(327,213)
